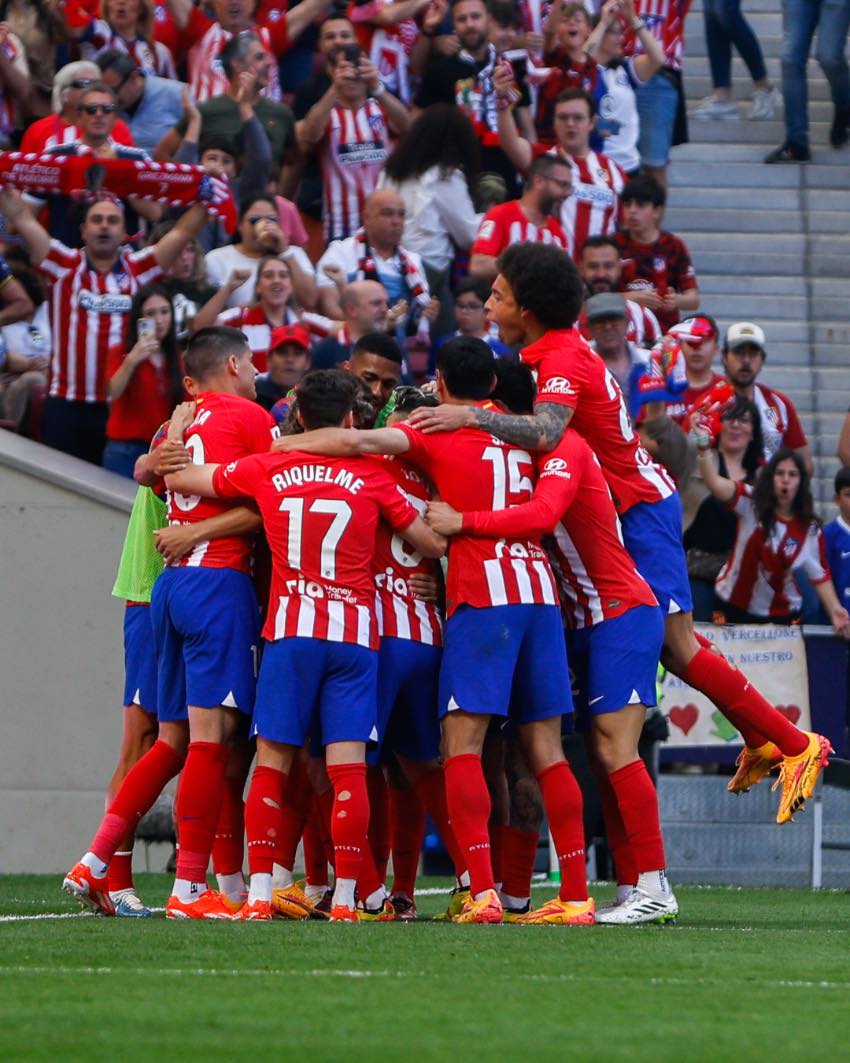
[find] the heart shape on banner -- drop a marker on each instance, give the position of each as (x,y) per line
(790,712)
(684,717)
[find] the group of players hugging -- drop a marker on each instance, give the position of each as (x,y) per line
(565,585)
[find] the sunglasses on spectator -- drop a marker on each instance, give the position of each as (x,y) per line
(254,218)
(471,307)
(81,83)
(103,108)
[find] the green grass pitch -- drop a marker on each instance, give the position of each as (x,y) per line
(750,975)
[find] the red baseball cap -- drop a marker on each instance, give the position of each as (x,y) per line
(296,334)
(694,331)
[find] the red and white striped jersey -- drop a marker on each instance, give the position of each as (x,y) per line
(90,314)
(570,373)
(154,58)
(597,577)
(665,20)
(506,224)
(321,517)
(780,423)
(593,207)
(225,429)
(353,153)
(643,329)
(206,74)
(253,322)
(759,577)
(472,470)
(400,614)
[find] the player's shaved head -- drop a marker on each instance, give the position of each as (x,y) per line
(465,364)
(209,350)
(325,398)
(544,281)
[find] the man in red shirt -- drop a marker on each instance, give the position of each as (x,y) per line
(744,353)
(565,35)
(699,340)
(90,301)
(319,670)
(657,269)
(600,269)
(502,617)
(531,217)
(594,205)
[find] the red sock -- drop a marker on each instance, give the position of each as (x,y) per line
(468,802)
(563,803)
(121,872)
(638,803)
(263,818)
(742,704)
(379,820)
(407,827)
(142,785)
(497,847)
(315,857)
(228,852)
(198,804)
(431,788)
(325,806)
(625,865)
(350,817)
(297,802)
(518,855)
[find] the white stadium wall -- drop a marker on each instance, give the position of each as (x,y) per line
(62,524)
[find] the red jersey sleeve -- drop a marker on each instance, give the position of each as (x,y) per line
(418,452)
(812,558)
(395,508)
(490,239)
(794,436)
(741,501)
(197,25)
(682,276)
(278,31)
(261,429)
(238,479)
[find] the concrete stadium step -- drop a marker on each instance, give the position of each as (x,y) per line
(699,196)
(742,220)
(748,307)
(713,131)
(779,287)
(749,152)
(692,164)
(829,354)
(699,84)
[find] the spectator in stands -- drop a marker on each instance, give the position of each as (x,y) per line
(433,168)
(837,535)
(376,359)
(744,354)
(471,320)
(709,526)
(725,26)
(25,343)
(364,310)
(288,361)
(466,79)
(276,31)
(90,300)
(61,126)
(41,29)
(186,281)
(149,104)
(534,216)
(661,101)
(127,27)
(565,35)
(593,207)
(800,19)
(778,532)
(388,31)
(608,323)
(349,127)
(699,340)
(223,114)
(145,380)
(259,235)
(601,271)
(273,305)
(617,128)
(15,84)
(657,269)
(375,252)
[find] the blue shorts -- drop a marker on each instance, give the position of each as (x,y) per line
(408,678)
(206,622)
(614,663)
(139,658)
(311,687)
(652,533)
(657,103)
(506,660)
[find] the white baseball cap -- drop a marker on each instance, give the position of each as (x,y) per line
(744,333)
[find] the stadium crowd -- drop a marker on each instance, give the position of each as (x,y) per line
(344,230)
